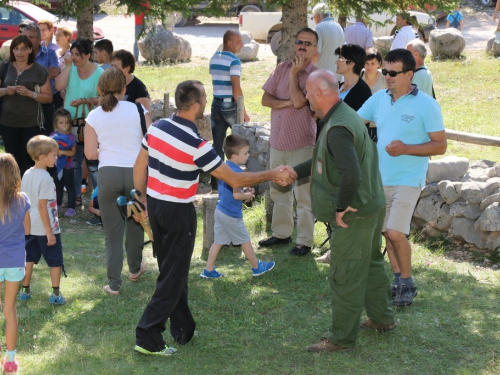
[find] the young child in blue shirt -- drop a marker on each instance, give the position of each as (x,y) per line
(229,226)
(45,234)
(14,224)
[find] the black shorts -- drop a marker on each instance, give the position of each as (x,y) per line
(36,246)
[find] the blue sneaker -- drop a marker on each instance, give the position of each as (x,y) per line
(23,296)
(262,268)
(211,274)
(57,300)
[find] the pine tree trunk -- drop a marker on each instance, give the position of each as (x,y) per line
(294,18)
(85,23)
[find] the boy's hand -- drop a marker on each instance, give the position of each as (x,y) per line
(51,239)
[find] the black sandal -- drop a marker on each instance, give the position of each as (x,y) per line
(78,201)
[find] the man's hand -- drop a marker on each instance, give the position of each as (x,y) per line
(284,175)
(396,148)
(53,72)
(340,215)
(297,65)
(51,239)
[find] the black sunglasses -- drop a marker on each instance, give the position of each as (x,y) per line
(304,42)
(392,73)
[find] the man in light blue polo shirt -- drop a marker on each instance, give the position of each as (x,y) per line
(410,129)
(225,69)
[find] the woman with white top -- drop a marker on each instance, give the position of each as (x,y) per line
(113,134)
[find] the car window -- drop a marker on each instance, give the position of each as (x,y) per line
(11,16)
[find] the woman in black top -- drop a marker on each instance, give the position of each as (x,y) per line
(136,90)
(354,91)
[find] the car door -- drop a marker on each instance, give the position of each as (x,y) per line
(9,21)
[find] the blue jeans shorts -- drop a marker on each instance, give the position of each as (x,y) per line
(11,274)
(36,246)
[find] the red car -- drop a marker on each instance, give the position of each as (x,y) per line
(18,11)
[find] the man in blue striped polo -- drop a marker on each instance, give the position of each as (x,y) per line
(225,69)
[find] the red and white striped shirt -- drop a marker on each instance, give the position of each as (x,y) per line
(176,155)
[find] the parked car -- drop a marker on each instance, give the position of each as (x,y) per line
(489,3)
(17,11)
(57,4)
(266,26)
(239,6)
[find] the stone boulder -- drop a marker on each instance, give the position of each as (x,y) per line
(476,192)
(489,200)
(434,210)
(5,50)
(162,45)
(383,44)
(446,42)
(451,168)
(448,191)
(464,228)
(204,126)
(492,47)
(462,209)
(250,48)
(429,189)
(489,221)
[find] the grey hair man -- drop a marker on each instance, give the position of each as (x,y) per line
(423,76)
(330,37)
(359,34)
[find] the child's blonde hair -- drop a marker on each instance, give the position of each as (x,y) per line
(61,112)
(10,185)
(41,145)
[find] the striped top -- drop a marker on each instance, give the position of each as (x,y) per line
(176,155)
(223,65)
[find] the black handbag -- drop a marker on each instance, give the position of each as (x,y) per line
(78,124)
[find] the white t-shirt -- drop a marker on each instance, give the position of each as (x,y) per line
(38,184)
(405,34)
(119,134)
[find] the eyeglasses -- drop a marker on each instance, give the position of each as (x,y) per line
(43,30)
(392,73)
(304,42)
(344,59)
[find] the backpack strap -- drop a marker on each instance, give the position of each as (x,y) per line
(143,118)
(424,68)
(5,70)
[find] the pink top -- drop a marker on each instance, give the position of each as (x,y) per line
(291,128)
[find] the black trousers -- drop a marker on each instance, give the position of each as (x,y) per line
(15,141)
(48,119)
(174,232)
(67,181)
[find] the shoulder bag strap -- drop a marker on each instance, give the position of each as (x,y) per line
(143,119)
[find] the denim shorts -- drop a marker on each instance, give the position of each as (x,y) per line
(36,246)
(12,274)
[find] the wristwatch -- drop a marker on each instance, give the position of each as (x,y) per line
(34,95)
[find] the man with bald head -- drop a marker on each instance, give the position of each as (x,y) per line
(346,185)
(225,68)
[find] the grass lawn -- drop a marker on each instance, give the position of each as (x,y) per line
(262,325)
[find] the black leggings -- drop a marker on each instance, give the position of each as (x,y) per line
(68,181)
(15,141)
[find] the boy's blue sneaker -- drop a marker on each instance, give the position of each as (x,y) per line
(168,350)
(262,268)
(57,300)
(211,274)
(23,296)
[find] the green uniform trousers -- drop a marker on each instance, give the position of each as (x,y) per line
(358,278)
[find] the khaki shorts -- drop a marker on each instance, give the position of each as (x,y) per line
(401,201)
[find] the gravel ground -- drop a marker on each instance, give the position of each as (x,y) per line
(205,34)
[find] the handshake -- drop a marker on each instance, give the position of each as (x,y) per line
(284,175)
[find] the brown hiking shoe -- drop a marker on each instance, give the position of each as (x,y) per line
(368,324)
(326,346)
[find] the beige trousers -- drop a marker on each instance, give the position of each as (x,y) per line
(282,225)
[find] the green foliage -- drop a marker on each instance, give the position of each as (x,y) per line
(494,256)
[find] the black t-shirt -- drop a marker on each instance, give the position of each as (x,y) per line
(135,90)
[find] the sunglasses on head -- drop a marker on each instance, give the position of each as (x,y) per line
(304,42)
(392,73)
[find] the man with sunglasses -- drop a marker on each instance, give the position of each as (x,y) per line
(410,129)
(330,37)
(293,135)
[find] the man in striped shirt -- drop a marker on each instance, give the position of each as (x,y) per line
(225,69)
(168,168)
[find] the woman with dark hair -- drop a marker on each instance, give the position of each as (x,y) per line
(79,78)
(24,87)
(136,90)
(372,74)
(113,134)
(354,91)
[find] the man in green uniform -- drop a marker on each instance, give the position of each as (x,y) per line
(347,192)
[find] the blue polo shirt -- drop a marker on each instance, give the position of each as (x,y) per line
(408,119)
(47,58)
(227,204)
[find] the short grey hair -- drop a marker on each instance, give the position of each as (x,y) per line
(419,47)
(321,9)
(35,28)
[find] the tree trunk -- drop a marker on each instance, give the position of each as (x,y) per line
(85,23)
(294,19)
